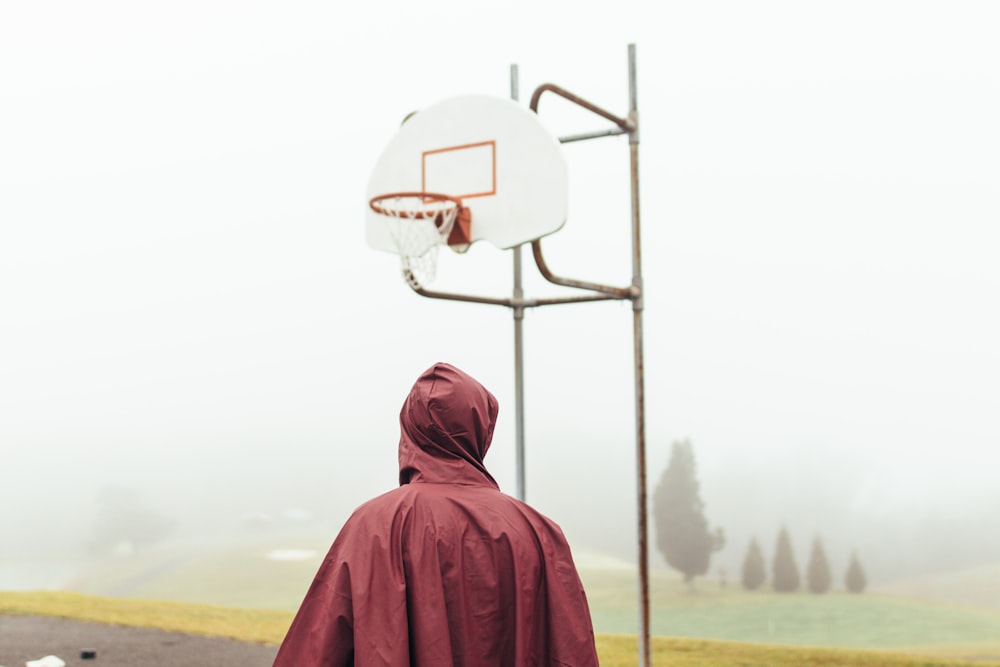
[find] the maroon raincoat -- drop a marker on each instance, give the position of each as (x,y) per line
(444,570)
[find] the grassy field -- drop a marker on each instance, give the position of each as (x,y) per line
(838,619)
(614,650)
(219,577)
(978,585)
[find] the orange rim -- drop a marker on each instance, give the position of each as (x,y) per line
(426,197)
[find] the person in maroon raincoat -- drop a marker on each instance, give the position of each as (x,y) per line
(444,570)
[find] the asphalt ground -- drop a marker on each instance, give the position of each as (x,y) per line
(24,638)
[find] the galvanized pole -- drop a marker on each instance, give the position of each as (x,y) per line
(518,310)
(640,396)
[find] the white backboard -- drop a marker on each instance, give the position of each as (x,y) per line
(492,153)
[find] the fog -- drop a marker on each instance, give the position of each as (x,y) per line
(188,309)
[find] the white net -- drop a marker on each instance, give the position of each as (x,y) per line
(418,227)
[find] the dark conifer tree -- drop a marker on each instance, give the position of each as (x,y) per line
(682,533)
(753,567)
(818,569)
(856,581)
(785,573)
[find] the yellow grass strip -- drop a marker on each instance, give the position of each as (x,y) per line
(253,625)
(622,651)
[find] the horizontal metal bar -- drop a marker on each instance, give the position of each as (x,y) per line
(572,299)
(415,286)
(516,302)
(592,135)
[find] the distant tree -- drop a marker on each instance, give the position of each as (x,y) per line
(855,580)
(682,533)
(818,569)
(785,573)
(753,567)
(122,522)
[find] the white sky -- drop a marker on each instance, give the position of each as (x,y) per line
(184,282)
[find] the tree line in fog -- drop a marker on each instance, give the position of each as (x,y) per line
(687,543)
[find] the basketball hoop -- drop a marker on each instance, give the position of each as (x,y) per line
(420,222)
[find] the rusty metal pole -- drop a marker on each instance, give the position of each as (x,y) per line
(640,391)
(518,310)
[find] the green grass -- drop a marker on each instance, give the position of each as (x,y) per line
(866,621)
(614,650)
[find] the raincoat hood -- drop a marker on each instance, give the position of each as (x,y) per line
(446,427)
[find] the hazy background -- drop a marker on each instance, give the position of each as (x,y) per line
(188,308)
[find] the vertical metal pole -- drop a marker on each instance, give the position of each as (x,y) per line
(518,310)
(640,397)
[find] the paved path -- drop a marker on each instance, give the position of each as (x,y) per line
(24,638)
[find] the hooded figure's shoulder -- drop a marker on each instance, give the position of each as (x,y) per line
(422,507)
(376,510)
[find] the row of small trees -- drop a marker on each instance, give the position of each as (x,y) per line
(687,543)
(785,573)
